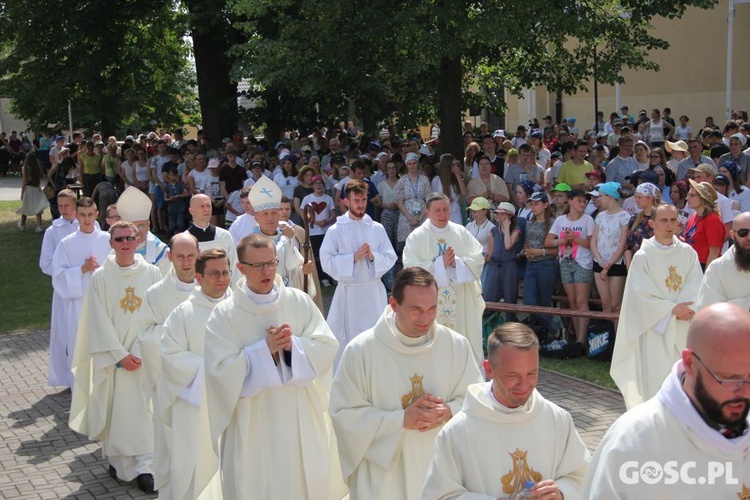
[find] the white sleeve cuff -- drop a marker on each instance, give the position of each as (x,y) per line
(261,371)
(439,272)
(193,392)
(463,273)
(301,372)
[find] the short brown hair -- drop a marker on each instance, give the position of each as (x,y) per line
(435,197)
(122,224)
(511,334)
(206,255)
(85,202)
(113,206)
(67,193)
(411,276)
(244,192)
(254,241)
(354,186)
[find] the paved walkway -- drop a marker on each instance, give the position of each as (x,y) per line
(10,188)
(40,457)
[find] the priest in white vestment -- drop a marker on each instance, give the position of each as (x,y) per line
(356,252)
(454,256)
(109,403)
(135,206)
(507,433)
(61,227)
(158,303)
(397,385)
(76,258)
(190,461)
(727,278)
(268,357)
(245,223)
(207,234)
(697,421)
(658,304)
(265,197)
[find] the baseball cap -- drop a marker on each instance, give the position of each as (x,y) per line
(562,186)
(705,168)
(539,196)
(506,207)
(595,173)
(536,134)
(610,189)
(479,203)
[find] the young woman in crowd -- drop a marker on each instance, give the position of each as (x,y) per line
(302,189)
(287,178)
(470,155)
(503,267)
(647,197)
(524,190)
(608,247)
(126,170)
(411,192)
(704,231)
(722,185)
(571,233)
(738,193)
(480,228)
(449,181)
(33,201)
(640,152)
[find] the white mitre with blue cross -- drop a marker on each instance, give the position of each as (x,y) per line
(265,195)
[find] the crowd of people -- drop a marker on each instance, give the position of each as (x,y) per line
(207,368)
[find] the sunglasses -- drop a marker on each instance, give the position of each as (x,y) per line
(120,239)
(742,233)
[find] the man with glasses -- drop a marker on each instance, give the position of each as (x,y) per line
(135,206)
(109,403)
(268,351)
(698,419)
(663,282)
(727,278)
(183,470)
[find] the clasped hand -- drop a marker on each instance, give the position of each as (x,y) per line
(364,252)
(449,257)
(425,413)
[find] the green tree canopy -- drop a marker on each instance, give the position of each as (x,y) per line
(121,64)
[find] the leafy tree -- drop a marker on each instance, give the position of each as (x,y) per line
(120,64)
(426,59)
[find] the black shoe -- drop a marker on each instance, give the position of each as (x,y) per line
(145,483)
(113,473)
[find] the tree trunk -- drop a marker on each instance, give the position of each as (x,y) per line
(449,106)
(217,93)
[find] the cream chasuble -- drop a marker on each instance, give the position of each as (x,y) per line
(381,372)
(488,451)
(70,286)
(358,282)
(667,428)
(725,282)
(276,437)
(180,393)
(109,403)
(460,302)
(649,337)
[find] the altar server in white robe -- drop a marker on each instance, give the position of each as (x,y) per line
(158,303)
(699,419)
(76,258)
(507,433)
(135,206)
(207,234)
(727,278)
(61,227)
(190,460)
(356,252)
(397,385)
(268,358)
(109,403)
(245,223)
(265,197)
(454,256)
(658,304)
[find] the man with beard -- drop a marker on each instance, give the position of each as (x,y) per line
(727,278)
(699,415)
(657,306)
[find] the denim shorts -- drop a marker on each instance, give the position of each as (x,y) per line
(572,272)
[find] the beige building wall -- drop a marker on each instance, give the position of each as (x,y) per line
(691,79)
(8,121)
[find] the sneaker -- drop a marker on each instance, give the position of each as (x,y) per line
(21,227)
(325,283)
(556,345)
(145,483)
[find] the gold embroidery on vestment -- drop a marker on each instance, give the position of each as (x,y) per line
(674,280)
(745,495)
(521,472)
(131,302)
(417,391)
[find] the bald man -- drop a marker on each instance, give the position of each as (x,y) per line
(697,421)
(727,278)
(158,303)
(208,235)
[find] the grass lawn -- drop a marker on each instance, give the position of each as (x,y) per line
(581,368)
(27,292)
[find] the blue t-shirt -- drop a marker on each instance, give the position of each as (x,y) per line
(178,205)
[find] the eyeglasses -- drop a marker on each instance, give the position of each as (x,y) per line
(726,384)
(742,233)
(120,239)
(214,275)
(260,266)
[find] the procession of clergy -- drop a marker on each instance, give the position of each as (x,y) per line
(206,371)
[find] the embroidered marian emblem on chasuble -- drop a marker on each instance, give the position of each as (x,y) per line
(417,391)
(674,280)
(442,246)
(131,302)
(521,472)
(745,495)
